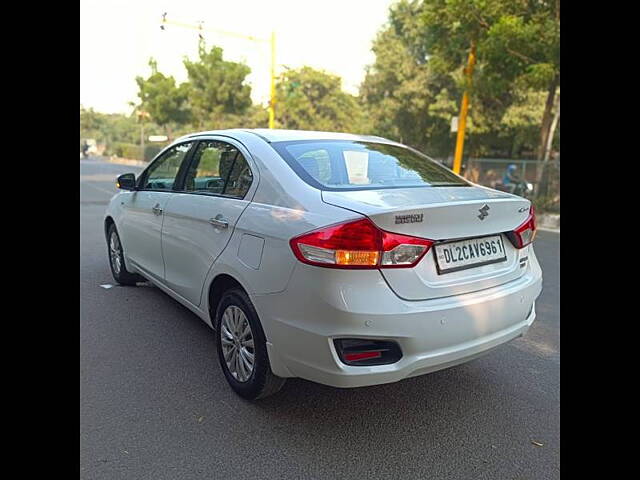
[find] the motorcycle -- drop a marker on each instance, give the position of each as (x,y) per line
(522,189)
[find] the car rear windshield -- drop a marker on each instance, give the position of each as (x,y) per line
(357,165)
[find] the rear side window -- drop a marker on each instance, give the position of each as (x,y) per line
(240,178)
(218,168)
(354,165)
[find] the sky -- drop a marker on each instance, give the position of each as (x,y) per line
(118,37)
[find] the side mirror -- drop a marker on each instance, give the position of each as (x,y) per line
(126,181)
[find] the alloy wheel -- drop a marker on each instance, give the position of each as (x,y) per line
(237,343)
(115,253)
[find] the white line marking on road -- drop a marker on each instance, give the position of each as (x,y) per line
(107,286)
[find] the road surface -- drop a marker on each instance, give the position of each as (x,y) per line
(155,405)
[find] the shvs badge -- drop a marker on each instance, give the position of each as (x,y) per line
(415,218)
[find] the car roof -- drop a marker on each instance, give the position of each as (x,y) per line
(279,135)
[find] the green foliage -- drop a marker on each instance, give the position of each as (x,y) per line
(126,150)
(217,93)
(257,116)
(406,99)
(525,46)
(112,130)
(310,99)
(416,83)
(518,48)
(107,128)
(162,99)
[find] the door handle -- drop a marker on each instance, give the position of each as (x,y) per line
(156,209)
(219,221)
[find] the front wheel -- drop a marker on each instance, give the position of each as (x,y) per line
(242,349)
(116,259)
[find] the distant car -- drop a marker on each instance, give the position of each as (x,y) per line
(342,259)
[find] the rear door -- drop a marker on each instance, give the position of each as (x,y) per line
(142,218)
(199,220)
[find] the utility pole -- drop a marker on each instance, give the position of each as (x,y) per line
(464,107)
(271,41)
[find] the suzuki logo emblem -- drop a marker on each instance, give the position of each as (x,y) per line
(484,212)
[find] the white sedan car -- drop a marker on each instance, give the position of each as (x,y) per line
(343,259)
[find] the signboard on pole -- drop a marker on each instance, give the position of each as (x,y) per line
(158,138)
(454,124)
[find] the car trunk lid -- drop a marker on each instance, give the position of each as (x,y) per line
(443,214)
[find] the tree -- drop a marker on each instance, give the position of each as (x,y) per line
(91,124)
(90,121)
(411,94)
(523,47)
(407,100)
(108,128)
(217,93)
(162,99)
(518,45)
(257,116)
(309,99)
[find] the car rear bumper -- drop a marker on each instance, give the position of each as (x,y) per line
(321,305)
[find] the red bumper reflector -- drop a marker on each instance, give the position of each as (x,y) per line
(354,357)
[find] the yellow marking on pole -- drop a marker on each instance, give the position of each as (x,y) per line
(457,161)
(272,100)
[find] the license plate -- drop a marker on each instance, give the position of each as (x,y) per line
(455,256)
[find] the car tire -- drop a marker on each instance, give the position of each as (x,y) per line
(234,313)
(116,259)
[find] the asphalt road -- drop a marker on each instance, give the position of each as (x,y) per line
(155,405)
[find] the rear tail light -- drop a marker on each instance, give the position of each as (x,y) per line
(358,244)
(525,233)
